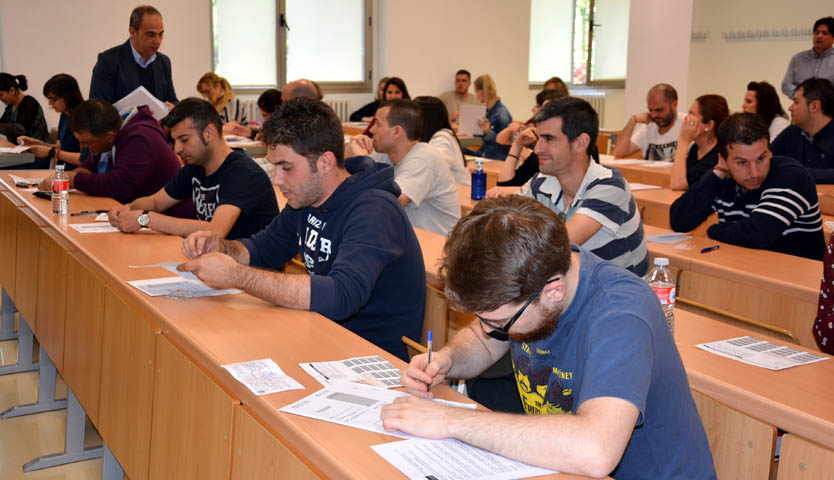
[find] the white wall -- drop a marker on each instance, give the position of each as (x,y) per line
(726,66)
(42,38)
(658,45)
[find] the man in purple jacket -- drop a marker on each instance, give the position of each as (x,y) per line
(127,158)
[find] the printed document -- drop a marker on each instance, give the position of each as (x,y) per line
(469,116)
(93,227)
(137,98)
(761,353)
(374,371)
(262,376)
(178,287)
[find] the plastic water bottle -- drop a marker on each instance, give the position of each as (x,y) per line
(60,191)
(478,181)
(661,281)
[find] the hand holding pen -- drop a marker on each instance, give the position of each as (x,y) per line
(424,372)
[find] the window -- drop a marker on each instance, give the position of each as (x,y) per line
(259,44)
(561,32)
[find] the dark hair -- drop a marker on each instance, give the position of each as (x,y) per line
(561,86)
(66,88)
(546,95)
(464,72)
(768,105)
(819,89)
(713,108)
(827,21)
(577,116)
(310,127)
(399,83)
(435,117)
(668,91)
(494,256)
(96,117)
(139,13)
(406,114)
(201,113)
(269,100)
(9,81)
(741,129)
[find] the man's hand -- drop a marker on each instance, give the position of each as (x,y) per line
(721,171)
(484,124)
(200,243)
(215,270)
(359,145)
(418,376)
(125,219)
(416,416)
(29,141)
(528,137)
(169,105)
(641,117)
(496,192)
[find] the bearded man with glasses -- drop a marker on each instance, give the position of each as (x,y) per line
(597,370)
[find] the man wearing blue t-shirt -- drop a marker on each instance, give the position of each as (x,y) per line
(596,368)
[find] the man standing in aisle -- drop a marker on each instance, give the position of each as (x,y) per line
(817,62)
(453,99)
(120,70)
(658,139)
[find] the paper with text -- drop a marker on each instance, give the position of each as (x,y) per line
(262,376)
(178,287)
(171,267)
(97,227)
(468,120)
(374,371)
(761,353)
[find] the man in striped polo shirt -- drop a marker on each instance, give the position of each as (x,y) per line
(595,201)
(763,201)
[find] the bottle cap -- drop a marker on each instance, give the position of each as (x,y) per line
(59,168)
(661,262)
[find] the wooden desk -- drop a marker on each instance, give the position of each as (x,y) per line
(640,173)
(354,128)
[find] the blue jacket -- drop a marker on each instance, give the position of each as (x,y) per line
(116,74)
(499,119)
(366,266)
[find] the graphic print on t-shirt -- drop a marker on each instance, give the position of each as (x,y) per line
(205,199)
(661,151)
(314,244)
(543,387)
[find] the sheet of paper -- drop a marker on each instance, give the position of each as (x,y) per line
(28,181)
(171,267)
(468,120)
(375,371)
(761,353)
(354,405)
(642,186)
(655,164)
(625,161)
(262,376)
(15,149)
(669,238)
(93,227)
(178,287)
(423,459)
(102,217)
(242,142)
(829,225)
(141,96)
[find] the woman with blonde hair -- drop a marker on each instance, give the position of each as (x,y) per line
(218,92)
(497,118)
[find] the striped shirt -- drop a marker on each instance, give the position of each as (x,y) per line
(782,215)
(605,196)
(233,111)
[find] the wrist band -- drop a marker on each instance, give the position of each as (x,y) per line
(225,247)
(514,156)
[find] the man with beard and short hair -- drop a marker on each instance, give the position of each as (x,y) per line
(575,323)
(233,195)
(453,99)
(658,139)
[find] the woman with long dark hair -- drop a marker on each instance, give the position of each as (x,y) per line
(698,128)
(437,132)
(761,98)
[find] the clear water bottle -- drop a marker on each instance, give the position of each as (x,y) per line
(478,181)
(60,191)
(661,281)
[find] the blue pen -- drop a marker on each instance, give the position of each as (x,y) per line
(428,347)
(709,249)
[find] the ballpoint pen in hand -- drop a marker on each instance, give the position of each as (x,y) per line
(428,347)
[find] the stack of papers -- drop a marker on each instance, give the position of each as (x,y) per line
(137,98)
(93,227)
(17,149)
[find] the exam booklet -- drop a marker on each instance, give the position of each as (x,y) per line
(761,353)
(374,371)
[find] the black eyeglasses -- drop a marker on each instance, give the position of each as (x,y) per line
(502,333)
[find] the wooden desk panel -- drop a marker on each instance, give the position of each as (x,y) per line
(127,383)
(26,267)
(191,434)
(8,243)
(82,335)
(797,400)
(641,174)
(52,298)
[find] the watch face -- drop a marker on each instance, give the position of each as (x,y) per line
(144,219)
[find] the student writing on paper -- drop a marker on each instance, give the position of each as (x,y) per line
(232,194)
(23,114)
(595,365)
(366,267)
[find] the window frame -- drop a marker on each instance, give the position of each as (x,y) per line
(281,25)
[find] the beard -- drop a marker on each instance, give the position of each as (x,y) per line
(550,320)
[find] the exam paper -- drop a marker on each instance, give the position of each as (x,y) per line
(242,142)
(171,267)
(642,186)
(354,405)
(656,164)
(15,149)
(468,120)
(27,181)
(262,376)
(102,217)
(93,227)
(669,238)
(141,96)
(761,353)
(374,371)
(423,459)
(626,161)
(178,287)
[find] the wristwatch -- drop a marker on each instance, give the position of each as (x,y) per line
(144,219)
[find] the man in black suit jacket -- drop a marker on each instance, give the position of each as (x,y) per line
(121,69)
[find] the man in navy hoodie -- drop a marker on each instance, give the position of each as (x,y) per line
(366,267)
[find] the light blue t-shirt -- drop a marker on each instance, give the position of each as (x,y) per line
(613,341)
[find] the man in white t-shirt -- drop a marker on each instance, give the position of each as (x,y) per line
(658,139)
(429,193)
(453,99)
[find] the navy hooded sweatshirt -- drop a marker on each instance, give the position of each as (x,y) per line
(365,263)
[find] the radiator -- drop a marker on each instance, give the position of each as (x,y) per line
(597,101)
(250,104)
(341,106)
